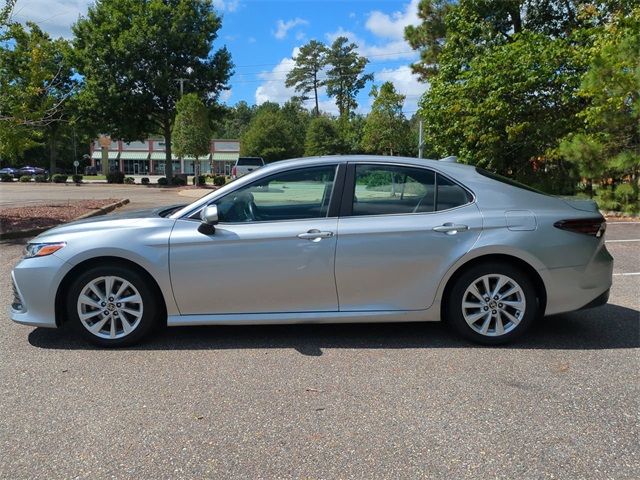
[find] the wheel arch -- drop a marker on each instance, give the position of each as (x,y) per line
(527,268)
(63,287)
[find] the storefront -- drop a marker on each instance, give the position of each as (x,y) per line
(135,163)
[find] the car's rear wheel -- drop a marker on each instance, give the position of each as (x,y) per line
(492,303)
(112,306)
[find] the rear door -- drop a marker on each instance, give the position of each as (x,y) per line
(400,230)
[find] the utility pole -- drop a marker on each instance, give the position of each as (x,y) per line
(182,80)
(420,142)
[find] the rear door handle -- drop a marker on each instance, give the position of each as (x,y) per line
(315,235)
(450,228)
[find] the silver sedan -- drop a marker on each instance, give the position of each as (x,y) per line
(330,239)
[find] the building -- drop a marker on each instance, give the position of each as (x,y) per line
(148,157)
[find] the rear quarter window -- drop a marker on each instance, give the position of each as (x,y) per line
(250,162)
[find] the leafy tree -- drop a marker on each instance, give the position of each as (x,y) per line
(310,60)
(131,55)
(386,129)
(274,133)
(37,83)
(234,121)
(345,77)
(609,138)
(191,132)
(322,137)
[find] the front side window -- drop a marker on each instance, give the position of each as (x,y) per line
(386,189)
(291,195)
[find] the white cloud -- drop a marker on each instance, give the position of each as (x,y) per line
(273,88)
(406,83)
(226,5)
(392,26)
(393,50)
(53,16)
(225,95)
(284,27)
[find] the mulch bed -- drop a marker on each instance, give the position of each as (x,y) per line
(47,215)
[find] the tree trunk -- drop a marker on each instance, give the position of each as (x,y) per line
(52,151)
(168,167)
(516,19)
(315,91)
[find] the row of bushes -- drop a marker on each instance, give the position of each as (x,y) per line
(58,178)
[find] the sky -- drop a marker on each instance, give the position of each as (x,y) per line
(263,35)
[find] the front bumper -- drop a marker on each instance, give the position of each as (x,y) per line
(35,283)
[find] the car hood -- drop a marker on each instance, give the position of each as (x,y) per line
(133,219)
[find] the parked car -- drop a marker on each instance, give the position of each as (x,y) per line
(331,239)
(9,171)
(33,171)
(246,165)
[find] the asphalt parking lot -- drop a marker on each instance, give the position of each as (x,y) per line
(329,401)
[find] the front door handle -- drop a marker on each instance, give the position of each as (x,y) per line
(315,235)
(450,228)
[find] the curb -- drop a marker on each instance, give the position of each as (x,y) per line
(36,231)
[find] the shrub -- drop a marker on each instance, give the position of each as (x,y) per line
(59,178)
(145,181)
(5,177)
(202,180)
(25,178)
(624,193)
(77,178)
(219,180)
(115,177)
(178,181)
(163,181)
(129,180)
(40,178)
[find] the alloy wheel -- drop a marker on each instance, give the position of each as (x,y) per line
(110,307)
(493,305)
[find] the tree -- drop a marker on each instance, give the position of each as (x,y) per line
(310,60)
(608,140)
(322,137)
(386,129)
(131,55)
(345,77)
(276,133)
(191,133)
(428,37)
(37,83)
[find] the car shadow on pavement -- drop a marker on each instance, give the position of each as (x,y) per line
(607,327)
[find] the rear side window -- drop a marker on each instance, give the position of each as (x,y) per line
(389,190)
(250,162)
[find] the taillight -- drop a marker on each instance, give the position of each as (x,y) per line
(589,226)
(233,171)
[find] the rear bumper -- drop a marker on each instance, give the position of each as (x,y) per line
(575,288)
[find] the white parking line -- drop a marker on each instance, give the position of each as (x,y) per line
(622,241)
(626,274)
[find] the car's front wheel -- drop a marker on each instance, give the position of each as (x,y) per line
(112,306)
(492,303)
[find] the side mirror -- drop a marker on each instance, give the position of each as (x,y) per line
(209,218)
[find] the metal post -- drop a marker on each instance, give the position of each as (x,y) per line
(420,142)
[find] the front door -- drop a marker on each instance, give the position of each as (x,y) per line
(402,229)
(272,252)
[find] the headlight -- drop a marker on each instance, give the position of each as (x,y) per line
(42,249)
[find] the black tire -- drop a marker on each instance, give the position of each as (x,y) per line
(455,316)
(150,309)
